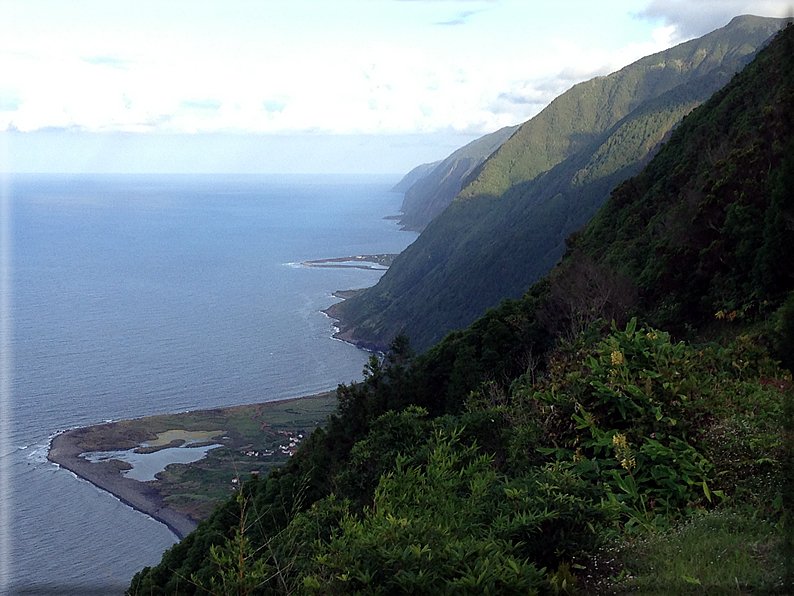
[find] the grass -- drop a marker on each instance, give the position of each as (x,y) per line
(713,553)
(195,489)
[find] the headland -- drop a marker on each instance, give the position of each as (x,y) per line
(254,439)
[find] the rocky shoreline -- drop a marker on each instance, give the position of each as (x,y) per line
(65,451)
(345,332)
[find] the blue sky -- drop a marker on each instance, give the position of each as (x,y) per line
(305,85)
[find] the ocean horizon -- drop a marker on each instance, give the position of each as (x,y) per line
(133,295)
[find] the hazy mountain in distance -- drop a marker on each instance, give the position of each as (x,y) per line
(411,177)
(430,194)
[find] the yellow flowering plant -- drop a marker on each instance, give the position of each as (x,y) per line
(643,407)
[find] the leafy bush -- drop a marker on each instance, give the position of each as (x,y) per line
(429,531)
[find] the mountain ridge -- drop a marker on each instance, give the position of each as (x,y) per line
(486,246)
(430,194)
(563,422)
(520,165)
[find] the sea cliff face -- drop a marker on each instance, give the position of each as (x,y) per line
(433,191)
(508,226)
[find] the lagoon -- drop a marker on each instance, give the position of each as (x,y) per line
(146,465)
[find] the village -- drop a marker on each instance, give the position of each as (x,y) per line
(290,442)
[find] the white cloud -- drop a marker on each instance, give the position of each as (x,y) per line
(111,61)
(461,18)
(388,69)
(693,18)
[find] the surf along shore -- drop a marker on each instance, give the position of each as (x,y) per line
(254,439)
(343,330)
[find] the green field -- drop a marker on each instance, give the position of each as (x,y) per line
(252,437)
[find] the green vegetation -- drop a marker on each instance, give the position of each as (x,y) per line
(621,438)
(430,194)
(250,435)
(713,552)
(508,227)
(567,442)
(252,439)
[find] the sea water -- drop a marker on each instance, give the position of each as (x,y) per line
(137,295)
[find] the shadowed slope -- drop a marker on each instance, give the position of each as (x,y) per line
(507,228)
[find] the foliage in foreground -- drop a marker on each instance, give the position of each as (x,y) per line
(624,436)
(514,448)
(724,552)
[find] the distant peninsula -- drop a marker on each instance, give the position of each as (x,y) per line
(376,262)
(252,438)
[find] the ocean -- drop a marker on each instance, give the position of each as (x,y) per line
(138,294)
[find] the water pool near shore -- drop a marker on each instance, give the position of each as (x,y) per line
(145,466)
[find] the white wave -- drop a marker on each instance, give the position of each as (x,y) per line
(39,453)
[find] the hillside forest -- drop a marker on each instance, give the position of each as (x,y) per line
(624,426)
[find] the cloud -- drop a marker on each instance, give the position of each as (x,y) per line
(69,129)
(154,122)
(204,104)
(693,18)
(528,98)
(110,61)
(274,105)
(452,1)
(461,19)
(9,102)
(385,74)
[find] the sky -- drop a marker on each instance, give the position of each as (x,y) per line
(346,86)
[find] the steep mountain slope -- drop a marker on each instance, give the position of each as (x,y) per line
(706,231)
(414,175)
(592,107)
(511,452)
(507,227)
(429,195)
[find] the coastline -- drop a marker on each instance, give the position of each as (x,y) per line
(345,332)
(65,451)
(66,447)
(380,262)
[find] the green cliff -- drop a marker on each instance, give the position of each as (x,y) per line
(507,227)
(414,175)
(430,194)
(563,443)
